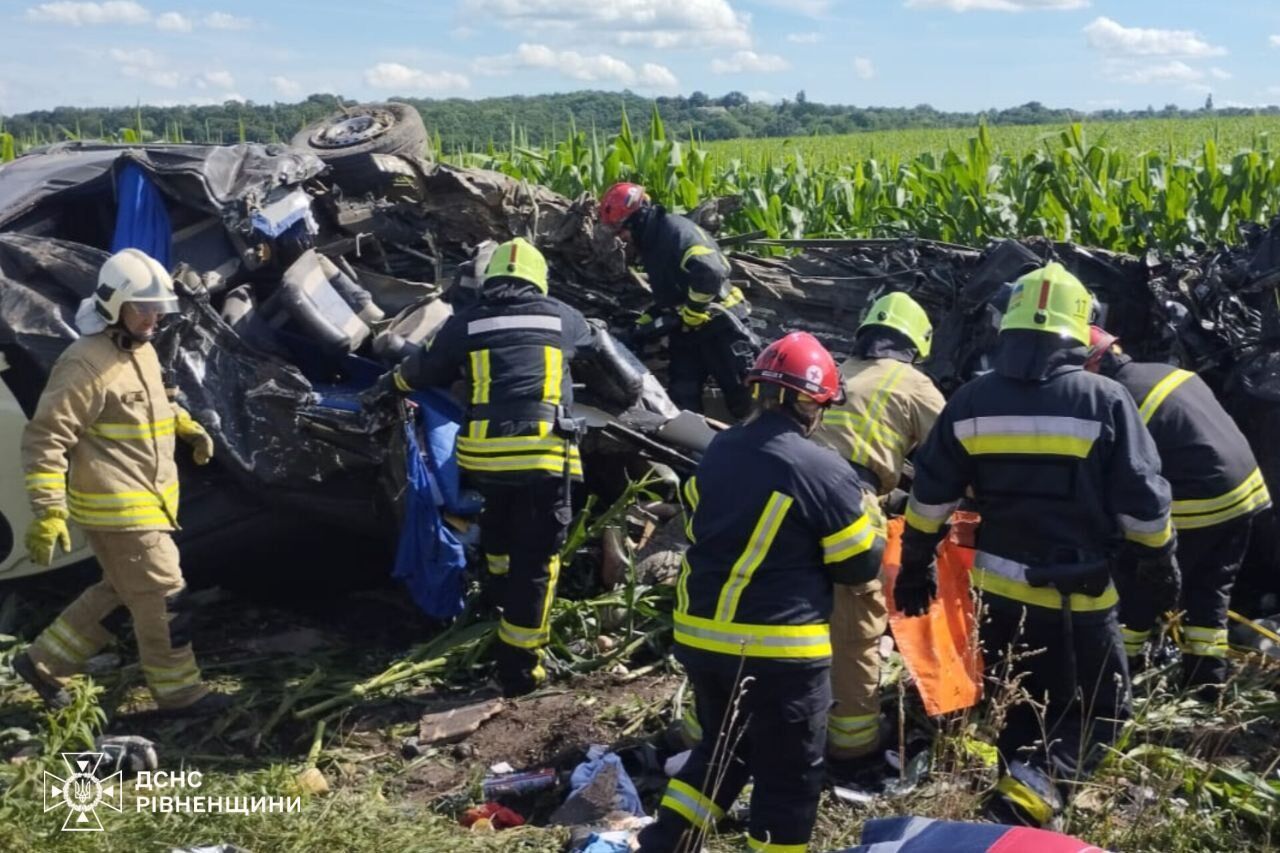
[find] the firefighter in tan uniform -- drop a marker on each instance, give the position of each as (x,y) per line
(99,451)
(889,408)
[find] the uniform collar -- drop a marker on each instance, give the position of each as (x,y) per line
(1035,356)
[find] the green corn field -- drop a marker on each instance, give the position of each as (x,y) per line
(1140,185)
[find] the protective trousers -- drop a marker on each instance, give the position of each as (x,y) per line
(142,578)
(708,352)
(521,539)
(768,726)
(1210,559)
(1083,687)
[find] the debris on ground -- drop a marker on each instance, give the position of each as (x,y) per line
(456,723)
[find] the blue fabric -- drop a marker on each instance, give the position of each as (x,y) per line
(626,796)
(606,842)
(925,835)
(142,222)
(430,559)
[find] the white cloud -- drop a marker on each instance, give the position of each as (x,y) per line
(863,67)
(88,14)
(1174,71)
(804,38)
(402,78)
(1220,74)
(809,8)
(225,21)
(219,79)
(654,76)
(1273,90)
(749,60)
(173,22)
(1106,35)
(763,96)
(588,68)
(285,86)
(659,24)
(145,65)
(1275,41)
(999,5)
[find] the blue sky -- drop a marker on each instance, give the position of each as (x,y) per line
(953,54)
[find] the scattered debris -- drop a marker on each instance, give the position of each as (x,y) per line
(456,723)
(490,815)
(517,784)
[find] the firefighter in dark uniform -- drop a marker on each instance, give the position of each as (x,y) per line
(1217,492)
(1060,468)
(514,347)
(689,276)
(775,520)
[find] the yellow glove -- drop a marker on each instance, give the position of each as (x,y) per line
(692,317)
(44,533)
(193,434)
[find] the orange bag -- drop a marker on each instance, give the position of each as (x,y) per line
(940,648)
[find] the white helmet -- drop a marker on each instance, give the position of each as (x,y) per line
(131,275)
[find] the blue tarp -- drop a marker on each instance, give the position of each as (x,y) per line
(626,797)
(142,222)
(924,835)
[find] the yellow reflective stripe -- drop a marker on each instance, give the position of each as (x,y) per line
(56,647)
(552,463)
(553,358)
(477,429)
(95,500)
(763,641)
(401,383)
(1203,642)
(73,639)
(853,540)
(691,804)
(775,510)
(46,481)
(1246,498)
(696,296)
(853,731)
(132,432)
(735,296)
(1050,435)
(928,518)
(123,513)
(480,376)
(1046,445)
(875,411)
(1046,596)
(510,444)
(694,252)
(754,843)
(682,586)
(1151,534)
(499,564)
(1134,640)
(1160,392)
(166,680)
(1025,798)
(523,638)
(691,502)
(553,578)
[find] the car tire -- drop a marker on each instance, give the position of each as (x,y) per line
(365,129)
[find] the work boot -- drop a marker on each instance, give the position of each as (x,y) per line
(50,690)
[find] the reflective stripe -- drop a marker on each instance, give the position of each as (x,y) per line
(863,433)
(1008,579)
(1034,434)
(762,641)
(401,383)
(1245,499)
(544,322)
(701,298)
(1162,390)
(124,509)
(875,410)
(928,518)
(735,296)
(1025,798)
(1153,534)
(522,638)
(480,380)
(775,510)
(134,432)
(1134,640)
(553,358)
(691,501)
(754,843)
(164,681)
(853,540)
(1203,642)
(499,564)
(694,252)
(854,731)
(51,481)
(477,429)
(511,444)
(553,578)
(50,643)
(82,646)
(682,586)
(551,463)
(94,500)
(690,803)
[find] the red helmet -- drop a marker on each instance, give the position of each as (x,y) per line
(1100,342)
(800,363)
(619,202)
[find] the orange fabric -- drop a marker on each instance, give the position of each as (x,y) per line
(940,648)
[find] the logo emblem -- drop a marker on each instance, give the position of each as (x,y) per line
(813,374)
(82,792)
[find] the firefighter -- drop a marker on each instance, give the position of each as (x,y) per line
(775,521)
(1217,492)
(889,408)
(514,346)
(689,277)
(1060,467)
(99,451)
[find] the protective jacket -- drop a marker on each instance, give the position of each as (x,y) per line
(1059,464)
(513,347)
(889,409)
(684,265)
(101,442)
(1206,459)
(775,520)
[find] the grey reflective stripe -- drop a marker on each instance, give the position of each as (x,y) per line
(703,813)
(1137,525)
(1011,569)
(1027,425)
(766,640)
(933,512)
(543,322)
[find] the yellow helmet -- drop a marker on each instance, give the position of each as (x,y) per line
(1050,300)
(518,259)
(900,312)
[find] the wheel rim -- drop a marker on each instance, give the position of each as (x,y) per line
(353,130)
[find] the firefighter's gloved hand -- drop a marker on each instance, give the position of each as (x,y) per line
(917,584)
(388,385)
(127,753)
(1162,577)
(190,431)
(46,532)
(693,317)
